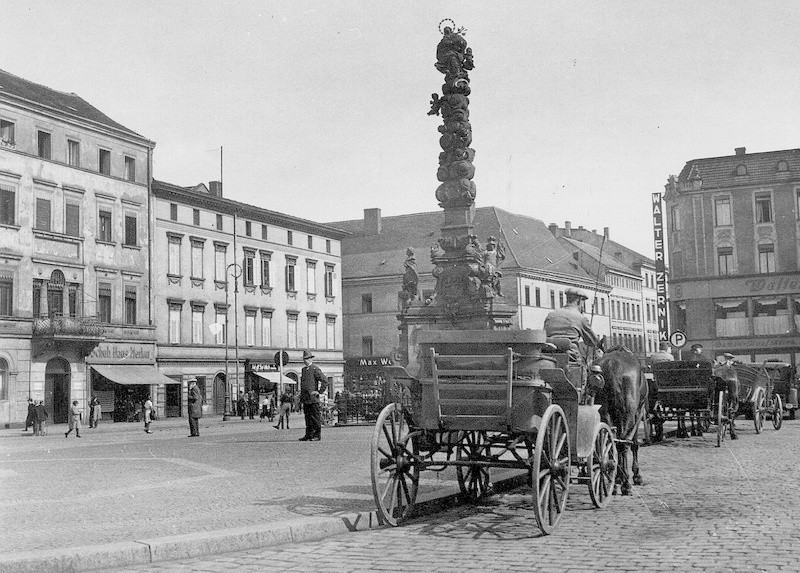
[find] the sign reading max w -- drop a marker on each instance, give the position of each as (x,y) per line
(661,268)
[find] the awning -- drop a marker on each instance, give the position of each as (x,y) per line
(133,374)
(274,377)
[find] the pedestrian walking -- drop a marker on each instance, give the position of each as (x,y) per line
(39,417)
(241,405)
(195,408)
(95,412)
(147,408)
(286,407)
(312,383)
(29,417)
(75,416)
(252,404)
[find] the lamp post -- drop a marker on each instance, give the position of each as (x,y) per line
(237,272)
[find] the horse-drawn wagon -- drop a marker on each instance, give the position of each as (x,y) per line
(491,399)
(760,394)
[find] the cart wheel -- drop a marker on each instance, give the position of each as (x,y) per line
(551,469)
(722,416)
(474,479)
(758,411)
(602,466)
(777,413)
(395,469)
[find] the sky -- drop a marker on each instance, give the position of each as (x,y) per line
(579,110)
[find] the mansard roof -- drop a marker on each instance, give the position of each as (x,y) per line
(761,168)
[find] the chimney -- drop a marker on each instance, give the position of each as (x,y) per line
(372,221)
(740,150)
(567,229)
(605,233)
(553,229)
(215,188)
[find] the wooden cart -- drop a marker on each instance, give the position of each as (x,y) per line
(491,399)
(759,398)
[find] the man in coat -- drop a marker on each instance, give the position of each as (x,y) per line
(195,408)
(569,322)
(697,354)
(312,383)
(30,416)
(663,354)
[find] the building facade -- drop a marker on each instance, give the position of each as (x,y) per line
(74,251)
(733,234)
(233,285)
(536,272)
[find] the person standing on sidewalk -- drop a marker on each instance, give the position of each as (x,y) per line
(95,412)
(29,417)
(195,408)
(74,420)
(286,407)
(312,383)
(39,417)
(148,414)
(241,405)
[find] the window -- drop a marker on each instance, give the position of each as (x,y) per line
(731,317)
(366,303)
(290,264)
(311,277)
(783,165)
(197,325)
(265,281)
(130,169)
(174,256)
(43,144)
(73,153)
(173,211)
(42,214)
(104,227)
(560,298)
(6,296)
(248,228)
(725,260)
(130,305)
(675,218)
(197,260)
(266,328)
(7,132)
(104,161)
(327,246)
(264,232)
(8,205)
(174,324)
(291,331)
(766,258)
(312,331)
(722,210)
(130,230)
(37,298)
(104,302)
(3,379)
(250,328)
(196,217)
(310,243)
(329,280)
(527,295)
(72,219)
(366,346)
(741,170)
(330,333)
(219,222)
(220,262)
(222,330)
(537,293)
(603,306)
(763,208)
(289,238)
(771,316)
(249,268)
(552,299)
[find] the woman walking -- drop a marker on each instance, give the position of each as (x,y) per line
(74,420)
(148,414)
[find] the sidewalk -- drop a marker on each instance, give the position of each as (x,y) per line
(119,497)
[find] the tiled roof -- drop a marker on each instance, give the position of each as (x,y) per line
(529,243)
(719,172)
(605,258)
(67,103)
(626,255)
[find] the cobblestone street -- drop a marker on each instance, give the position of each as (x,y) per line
(702,508)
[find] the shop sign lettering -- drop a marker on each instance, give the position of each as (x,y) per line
(121,352)
(772,285)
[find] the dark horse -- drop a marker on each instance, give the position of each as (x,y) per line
(623,405)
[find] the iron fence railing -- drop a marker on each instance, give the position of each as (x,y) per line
(67,325)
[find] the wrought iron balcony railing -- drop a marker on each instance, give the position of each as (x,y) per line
(74,326)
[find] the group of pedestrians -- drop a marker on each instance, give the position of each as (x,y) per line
(37,415)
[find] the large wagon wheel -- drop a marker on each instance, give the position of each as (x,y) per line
(473,479)
(722,416)
(395,469)
(551,469)
(777,412)
(758,411)
(602,466)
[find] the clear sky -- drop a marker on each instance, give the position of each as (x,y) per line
(579,110)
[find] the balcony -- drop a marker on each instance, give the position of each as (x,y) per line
(81,333)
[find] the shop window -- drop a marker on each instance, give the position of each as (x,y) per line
(731,317)
(771,316)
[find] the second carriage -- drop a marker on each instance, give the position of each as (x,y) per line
(491,399)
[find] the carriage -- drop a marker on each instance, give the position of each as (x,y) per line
(694,388)
(491,399)
(761,393)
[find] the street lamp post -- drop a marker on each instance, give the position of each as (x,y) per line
(237,272)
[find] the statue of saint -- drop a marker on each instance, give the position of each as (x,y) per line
(411,276)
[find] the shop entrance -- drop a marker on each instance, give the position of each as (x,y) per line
(219,394)
(172,408)
(56,389)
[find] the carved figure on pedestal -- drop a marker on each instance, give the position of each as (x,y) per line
(410,278)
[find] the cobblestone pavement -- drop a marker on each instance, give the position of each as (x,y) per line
(702,508)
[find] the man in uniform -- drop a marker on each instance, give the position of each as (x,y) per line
(312,383)
(569,322)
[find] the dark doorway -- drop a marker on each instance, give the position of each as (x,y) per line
(56,389)
(172,408)
(219,394)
